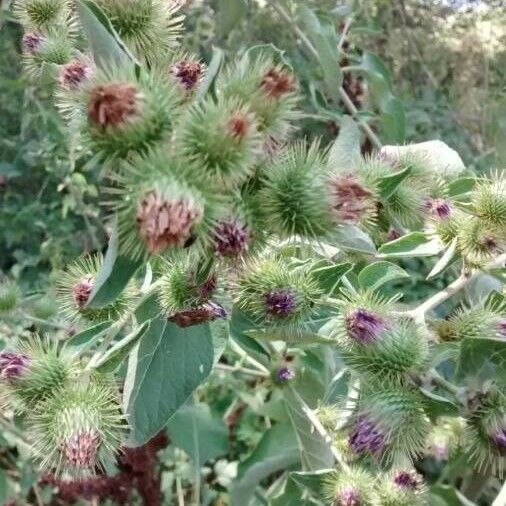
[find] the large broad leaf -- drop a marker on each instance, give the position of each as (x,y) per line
(211,73)
(200,434)
(329,275)
(312,481)
(345,152)
(107,47)
(437,405)
(79,343)
(378,273)
(314,452)
(277,450)
(114,275)
(352,238)
(323,35)
(388,184)
(166,366)
(415,244)
(482,358)
(449,495)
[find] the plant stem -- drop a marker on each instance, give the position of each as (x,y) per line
(242,370)
(348,103)
(441,382)
(235,347)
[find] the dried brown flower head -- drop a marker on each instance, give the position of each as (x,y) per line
(277,83)
(112,104)
(351,200)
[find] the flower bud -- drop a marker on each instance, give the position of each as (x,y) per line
(280,302)
(81,448)
(367,437)
(73,74)
(41,13)
(188,73)
(438,208)
(489,200)
(32,41)
(13,365)
(408,480)
(113,104)
(354,487)
(364,326)
(285,374)
(81,291)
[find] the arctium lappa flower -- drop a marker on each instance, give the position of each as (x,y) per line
(188,72)
(269,89)
(34,371)
(231,238)
(222,140)
(363,325)
(475,323)
(126,112)
(353,487)
(79,429)
(402,487)
(74,74)
(295,199)
(32,41)
(75,285)
(269,291)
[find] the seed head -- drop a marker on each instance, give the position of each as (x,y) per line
(280,302)
(32,42)
(277,83)
(231,238)
(81,291)
(285,374)
(73,74)
(81,449)
(188,73)
(13,365)
(163,223)
(348,496)
(366,437)
(351,200)
(408,480)
(364,326)
(238,125)
(111,105)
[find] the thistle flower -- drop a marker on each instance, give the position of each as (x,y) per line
(388,423)
(475,323)
(78,429)
(41,13)
(352,201)
(125,112)
(439,209)
(446,226)
(188,73)
(74,74)
(231,238)
(13,365)
(159,210)
(268,89)
(489,200)
(285,374)
(222,141)
(150,28)
(270,291)
(295,199)
(403,487)
(180,286)
(35,371)
(478,242)
(350,488)
(74,288)
(10,296)
(364,326)
(485,434)
(32,42)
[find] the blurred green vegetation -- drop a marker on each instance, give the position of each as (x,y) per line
(446,60)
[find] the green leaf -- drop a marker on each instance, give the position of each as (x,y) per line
(113,358)
(352,238)
(277,450)
(314,452)
(438,405)
(229,14)
(388,184)
(200,434)
(345,151)
(378,273)
(329,275)
(3,487)
(113,276)
(220,332)
(415,244)
(211,73)
(323,35)
(461,186)
(166,366)
(498,273)
(79,343)
(262,50)
(482,358)
(106,45)
(496,301)
(312,481)
(450,495)
(444,261)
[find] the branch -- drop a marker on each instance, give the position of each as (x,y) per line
(242,370)
(350,106)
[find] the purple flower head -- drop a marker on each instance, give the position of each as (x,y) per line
(280,302)
(408,480)
(438,208)
(348,496)
(81,448)
(188,73)
(498,438)
(440,450)
(32,42)
(364,326)
(13,365)
(73,74)
(285,374)
(231,238)
(501,327)
(81,291)
(394,234)
(366,437)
